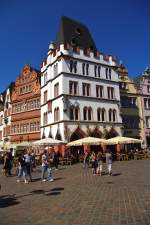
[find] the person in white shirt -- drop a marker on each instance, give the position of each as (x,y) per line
(46,168)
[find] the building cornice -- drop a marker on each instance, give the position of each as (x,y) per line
(77,97)
(75,75)
(77,122)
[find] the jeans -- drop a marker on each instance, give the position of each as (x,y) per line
(49,172)
(85,164)
(22,171)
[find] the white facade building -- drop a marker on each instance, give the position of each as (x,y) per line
(79,92)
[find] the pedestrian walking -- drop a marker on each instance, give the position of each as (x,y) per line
(22,169)
(10,163)
(55,159)
(94,163)
(28,163)
(86,160)
(6,164)
(109,161)
(46,167)
(100,163)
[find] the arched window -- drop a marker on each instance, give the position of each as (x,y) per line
(110,115)
(76,113)
(89,114)
(71,113)
(56,114)
(85,113)
(114,115)
(103,115)
(99,114)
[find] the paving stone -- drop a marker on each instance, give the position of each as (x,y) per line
(77,197)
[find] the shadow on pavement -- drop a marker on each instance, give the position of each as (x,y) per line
(116,174)
(57,189)
(38,192)
(54,193)
(58,178)
(8,200)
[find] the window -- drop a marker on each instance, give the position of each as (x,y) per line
(110,91)
(45,97)
(148,88)
(56,114)
(147,103)
(114,115)
(27,87)
(101,114)
(30,88)
(74,113)
(86,89)
(99,91)
(131,122)
(89,114)
(147,121)
(110,73)
(55,69)
(85,113)
(20,90)
(71,113)
(99,71)
(38,103)
(110,115)
(83,68)
(95,70)
(87,69)
(106,69)
(73,66)
(38,126)
(45,78)
(56,90)
(45,118)
(73,87)
(31,105)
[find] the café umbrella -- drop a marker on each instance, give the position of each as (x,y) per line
(122,140)
(86,141)
(47,141)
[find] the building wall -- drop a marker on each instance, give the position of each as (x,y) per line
(56,70)
(25,114)
(131,109)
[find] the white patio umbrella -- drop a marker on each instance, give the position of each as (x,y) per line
(47,141)
(24,144)
(87,141)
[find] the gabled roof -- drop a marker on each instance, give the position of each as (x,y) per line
(75,34)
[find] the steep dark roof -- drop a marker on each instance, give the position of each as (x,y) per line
(75,34)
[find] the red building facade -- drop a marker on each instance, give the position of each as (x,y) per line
(25,116)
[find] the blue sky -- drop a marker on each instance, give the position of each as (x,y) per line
(119,27)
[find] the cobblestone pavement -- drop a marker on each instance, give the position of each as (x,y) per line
(76,197)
